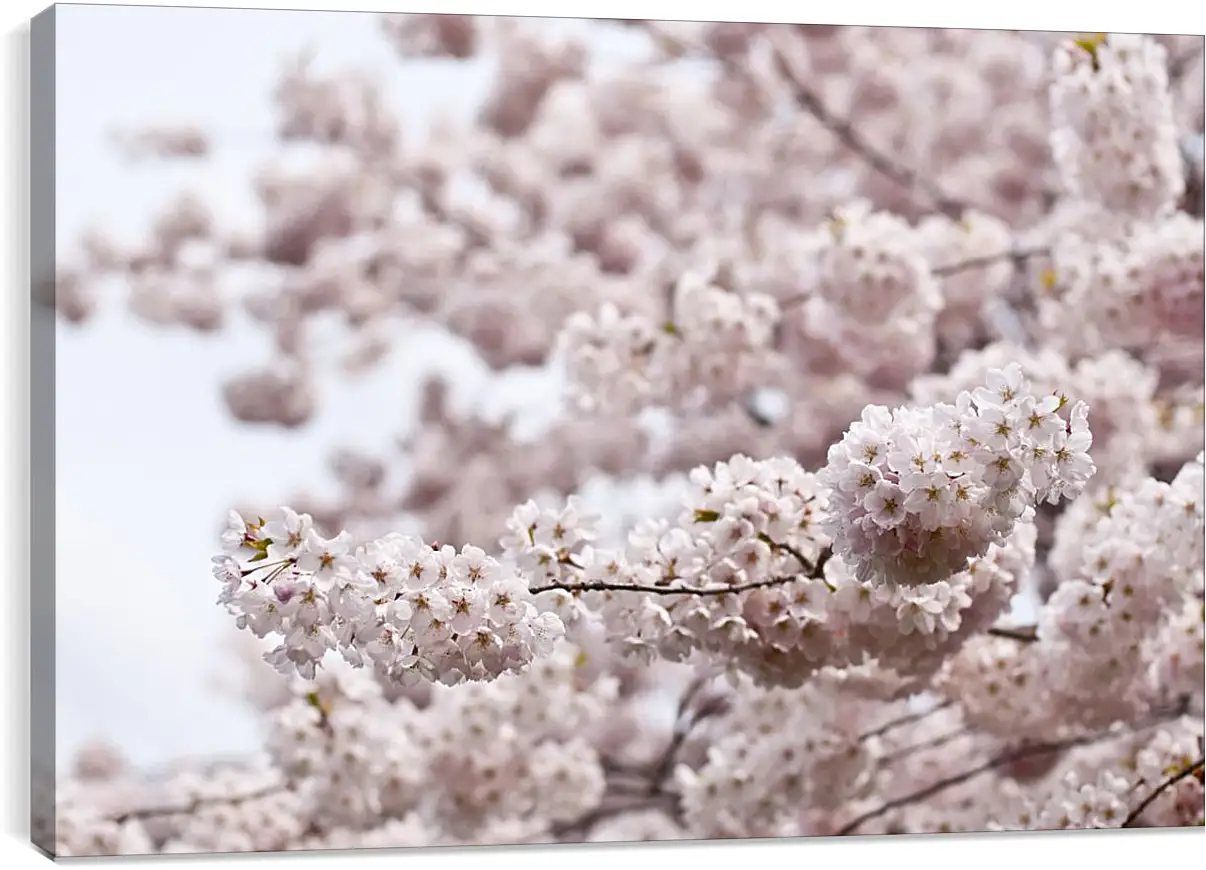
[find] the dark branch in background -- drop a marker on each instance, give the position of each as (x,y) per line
(647,785)
(1016,309)
(1019,256)
(750,406)
(199,803)
(1006,314)
(1194,769)
(1192,158)
(684,723)
(1022,634)
(324,713)
(952,781)
(905,720)
(905,176)
(1181,64)
(1002,759)
(610,807)
(812,570)
(933,743)
(324,724)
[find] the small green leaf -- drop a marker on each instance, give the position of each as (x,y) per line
(837,227)
(669,328)
(706,516)
(1111,502)
(1090,43)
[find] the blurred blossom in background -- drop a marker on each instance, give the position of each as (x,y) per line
(434,276)
(148,457)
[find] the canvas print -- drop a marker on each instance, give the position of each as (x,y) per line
(499,430)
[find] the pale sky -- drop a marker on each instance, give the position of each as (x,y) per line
(148,461)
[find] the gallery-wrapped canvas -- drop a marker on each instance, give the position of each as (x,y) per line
(500,430)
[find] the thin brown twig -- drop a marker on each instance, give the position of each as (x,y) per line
(1194,769)
(814,570)
(804,561)
(601,586)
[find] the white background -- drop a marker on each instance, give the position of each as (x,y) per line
(120,639)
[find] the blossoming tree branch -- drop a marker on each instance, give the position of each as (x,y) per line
(874,376)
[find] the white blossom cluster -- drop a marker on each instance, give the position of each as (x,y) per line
(727,573)
(352,769)
(1141,292)
(407,608)
(1108,798)
(913,629)
(917,492)
(744,574)
(1123,394)
(754,783)
(714,343)
(1120,634)
(352,756)
(82,832)
(522,750)
(1180,414)
(871,295)
(1179,652)
(228,809)
(1113,137)
(1139,563)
